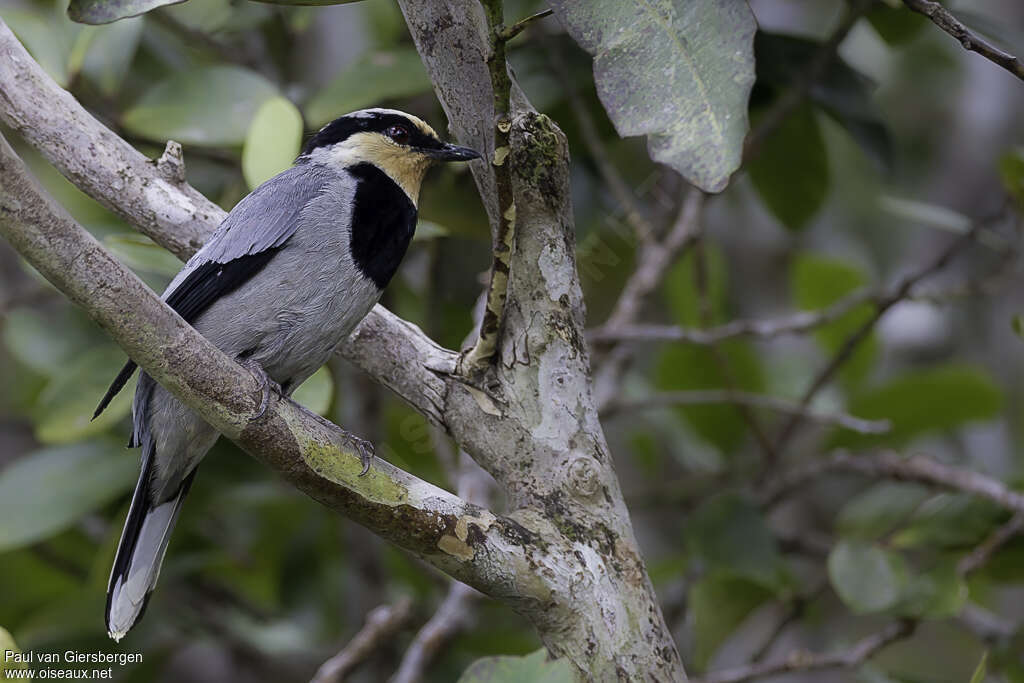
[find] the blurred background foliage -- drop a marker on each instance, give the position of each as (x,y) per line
(904,139)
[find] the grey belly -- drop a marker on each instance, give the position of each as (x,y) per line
(291,315)
(289,318)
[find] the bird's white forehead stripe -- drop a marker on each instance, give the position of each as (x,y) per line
(417,121)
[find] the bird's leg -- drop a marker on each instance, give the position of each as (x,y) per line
(363,447)
(266,385)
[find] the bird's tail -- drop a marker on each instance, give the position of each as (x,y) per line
(140,552)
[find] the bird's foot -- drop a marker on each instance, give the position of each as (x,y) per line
(363,447)
(266,386)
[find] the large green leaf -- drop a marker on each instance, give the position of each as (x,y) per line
(534,667)
(64,410)
(210,106)
(924,401)
(791,171)
(729,533)
(272,142)
(818,281)
(842,92)
(677,71)
(32,339)
(110,53)
(718,603)
(45,38)
(370,80)
(866,577)
(46,491)
(106,11)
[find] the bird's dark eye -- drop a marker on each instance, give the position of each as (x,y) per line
(399,134)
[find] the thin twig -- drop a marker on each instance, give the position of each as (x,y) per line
(510,32)
(801,662)
(902,290)
(722,360)
(795,323)
(504,237)
(452,616)
(775,403)
(893,466)
(944,19)
(382,623)
(654,258)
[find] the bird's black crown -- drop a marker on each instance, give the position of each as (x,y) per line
(380,121)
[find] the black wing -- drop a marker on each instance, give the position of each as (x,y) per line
(246,241)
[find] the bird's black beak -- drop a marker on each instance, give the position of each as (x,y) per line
(450,152)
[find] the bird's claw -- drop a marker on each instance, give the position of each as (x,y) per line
(364,448)
(266,385)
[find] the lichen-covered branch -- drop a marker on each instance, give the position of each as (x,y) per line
(483,350)
(309,452)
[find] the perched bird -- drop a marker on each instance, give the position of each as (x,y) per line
(289,273)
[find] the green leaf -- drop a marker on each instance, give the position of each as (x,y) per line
(729,533)
(316,392)
(370,80)
(43,37)
(272,142)
(31,338)
(208,106)
(842,92)
(1011,170)
(817,282)
(140,253)
(1017,325)
(866,577)
(938,593)
(7,644)
(949,520)
(110,53)
(64,410)
(106,11)
(678,71)
(895,25)
(791,171)
(534,667)
(718,603)
(979,671)
(46,491)
(429,230)
(924,401)
(879,509)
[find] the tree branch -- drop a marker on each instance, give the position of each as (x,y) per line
(892,466)
(382,623)
(944,19)
(451,617)
(802,662)
(776,403)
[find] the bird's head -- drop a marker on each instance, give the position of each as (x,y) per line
(400,144)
